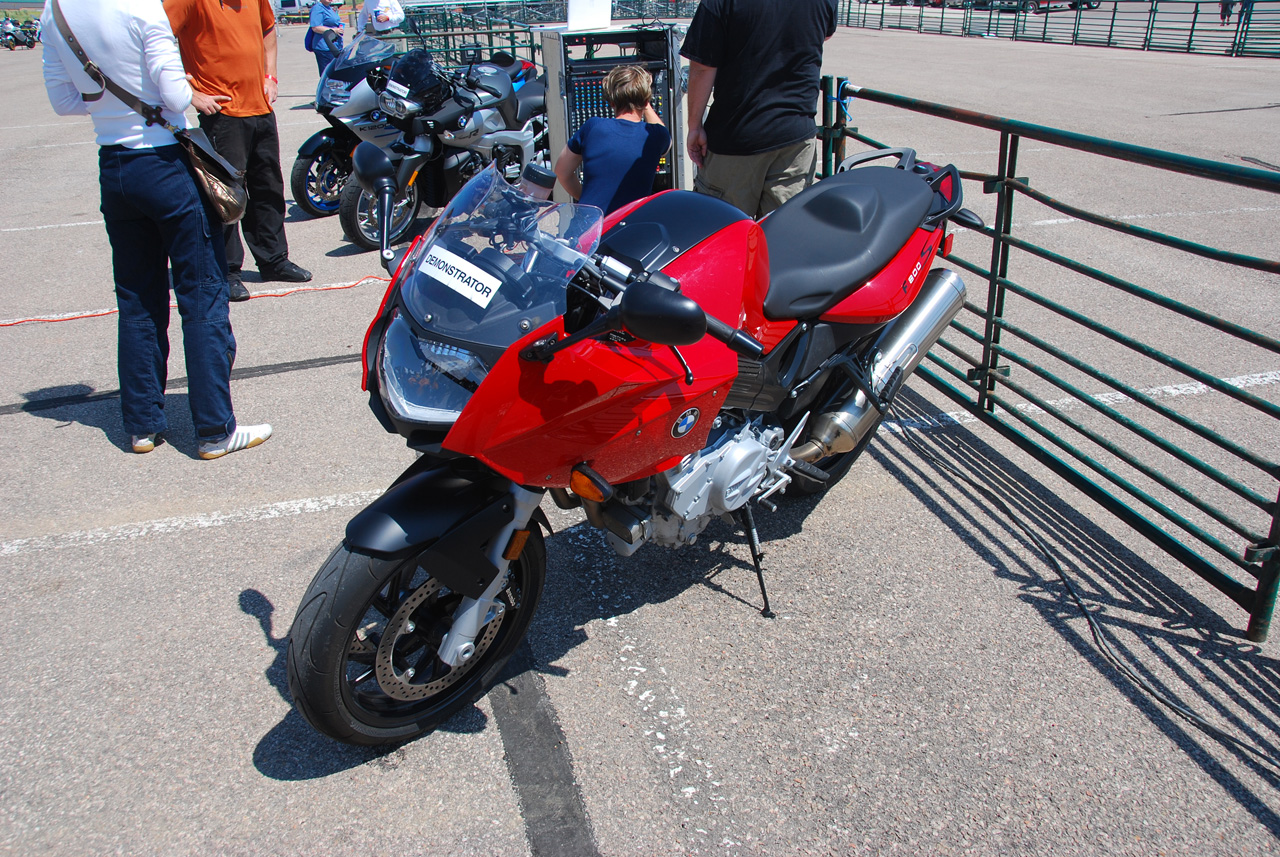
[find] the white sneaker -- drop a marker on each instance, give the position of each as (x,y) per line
(145,442)
(244,437)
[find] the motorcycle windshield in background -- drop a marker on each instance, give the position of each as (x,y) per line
(364,50)
(497,264)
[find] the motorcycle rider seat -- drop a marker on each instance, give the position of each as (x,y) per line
(829,239)
(531,99)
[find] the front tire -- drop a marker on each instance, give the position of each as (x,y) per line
(317,183)
(351,686)
(358,213)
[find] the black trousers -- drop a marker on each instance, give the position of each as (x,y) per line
(252,143)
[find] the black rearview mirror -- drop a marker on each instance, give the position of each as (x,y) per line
(374,169)
(661,316)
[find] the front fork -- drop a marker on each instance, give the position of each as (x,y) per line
(473,614)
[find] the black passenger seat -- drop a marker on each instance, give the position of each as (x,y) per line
(831,238)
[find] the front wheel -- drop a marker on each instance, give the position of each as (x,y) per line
(358,213)
(317,183)
(362,657)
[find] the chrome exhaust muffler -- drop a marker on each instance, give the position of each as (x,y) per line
(902,345)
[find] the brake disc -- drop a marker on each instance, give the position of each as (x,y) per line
(399,683)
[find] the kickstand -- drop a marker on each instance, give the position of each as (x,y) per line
(748,522)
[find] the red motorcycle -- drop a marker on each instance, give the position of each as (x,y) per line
(670,364)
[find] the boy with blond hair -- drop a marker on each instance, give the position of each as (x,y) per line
(618,156)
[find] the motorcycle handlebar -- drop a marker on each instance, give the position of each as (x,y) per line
(738,341)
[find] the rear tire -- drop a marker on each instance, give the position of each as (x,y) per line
(352,688)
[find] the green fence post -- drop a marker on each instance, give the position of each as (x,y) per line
(985,375)
(1111,31)
(1264,601)
(1151,24)
(1195,15)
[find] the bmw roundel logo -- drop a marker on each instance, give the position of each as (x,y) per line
(685,423)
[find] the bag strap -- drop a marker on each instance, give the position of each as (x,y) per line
(151,113)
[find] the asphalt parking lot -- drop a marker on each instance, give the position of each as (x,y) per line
(927,688)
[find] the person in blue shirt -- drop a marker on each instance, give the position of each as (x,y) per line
(618,156)
(324,18)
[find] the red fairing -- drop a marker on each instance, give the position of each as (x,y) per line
(612,406)
(891,291)
(728,275)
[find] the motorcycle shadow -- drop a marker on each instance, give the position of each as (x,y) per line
(587,581)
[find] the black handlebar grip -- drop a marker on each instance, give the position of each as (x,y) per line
(737,340)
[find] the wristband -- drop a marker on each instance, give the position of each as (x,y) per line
(273,79)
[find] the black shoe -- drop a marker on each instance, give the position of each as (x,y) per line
(238,291)
(285,272)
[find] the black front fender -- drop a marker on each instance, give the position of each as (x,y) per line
(447,518)
(317,144)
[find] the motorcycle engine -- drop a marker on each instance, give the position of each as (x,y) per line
(739,460)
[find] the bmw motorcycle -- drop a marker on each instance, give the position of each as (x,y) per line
(346,97)
(453,122)
(670,364)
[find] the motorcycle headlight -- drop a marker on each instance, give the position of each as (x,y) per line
(334,93)
(397,106)
(423,381)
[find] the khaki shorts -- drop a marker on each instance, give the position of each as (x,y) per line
(758,184)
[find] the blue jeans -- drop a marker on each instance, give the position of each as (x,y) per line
(157,217)
(323,58)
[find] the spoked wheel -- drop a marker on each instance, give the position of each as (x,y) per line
(317,183)
(362,651)
(837,390)
(358,212)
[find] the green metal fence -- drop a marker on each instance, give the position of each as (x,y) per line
(555,11)
(448,33)
(1252,29)
(1193,466)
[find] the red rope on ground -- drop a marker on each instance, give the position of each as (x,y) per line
(107,312)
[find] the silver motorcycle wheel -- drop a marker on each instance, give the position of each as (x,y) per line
(317,183)
(362,660)
(358,213)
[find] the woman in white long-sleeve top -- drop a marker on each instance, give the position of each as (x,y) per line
(156,217)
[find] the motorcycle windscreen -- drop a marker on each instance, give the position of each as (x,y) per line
(496,265)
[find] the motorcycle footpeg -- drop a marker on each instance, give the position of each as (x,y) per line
(804,468)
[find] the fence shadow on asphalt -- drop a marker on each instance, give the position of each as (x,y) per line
(292,750)
(1165,633)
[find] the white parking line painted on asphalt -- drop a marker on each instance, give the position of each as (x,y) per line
(1058,221)
(1193,388)
(308,505)
(50,146)
(52,226)
(47,125)
(185,523)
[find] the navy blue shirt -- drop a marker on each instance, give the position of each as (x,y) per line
(619,160)
(768,61)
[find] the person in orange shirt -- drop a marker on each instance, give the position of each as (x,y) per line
(229,52)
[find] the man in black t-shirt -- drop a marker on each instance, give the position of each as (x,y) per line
(763,59)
